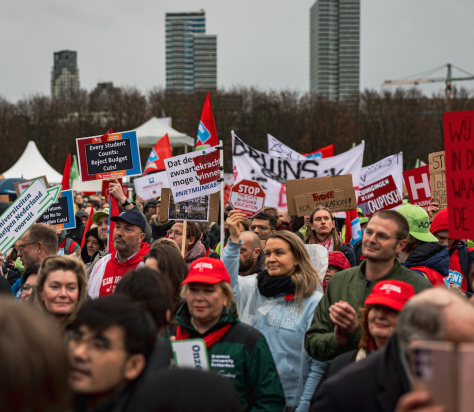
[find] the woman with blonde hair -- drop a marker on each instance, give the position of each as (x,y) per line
(322,231)
(61,288)
(280,302)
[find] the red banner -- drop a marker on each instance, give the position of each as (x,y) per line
(380,195)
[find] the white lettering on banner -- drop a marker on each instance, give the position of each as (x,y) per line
(271,172)
(222,361)
(423,185)
(390,165)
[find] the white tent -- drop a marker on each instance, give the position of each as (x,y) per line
(154,129)
(31,164)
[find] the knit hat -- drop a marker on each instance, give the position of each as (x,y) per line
(391,293)
(339,260)
(418,221)
(207,270)
(440,222)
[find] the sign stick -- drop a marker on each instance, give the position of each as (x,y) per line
(183,240)
(221,202)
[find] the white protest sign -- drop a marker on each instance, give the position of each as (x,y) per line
(278,149)
(391,165)
(25,211)
(194,174)
(271,172)
(191,353)
(149,187)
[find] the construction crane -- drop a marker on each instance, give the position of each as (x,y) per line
(422,79)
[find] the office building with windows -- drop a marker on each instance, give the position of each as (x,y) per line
(191,55)
(65,74)
(335,48)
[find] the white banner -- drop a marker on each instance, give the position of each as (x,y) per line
(149,187)
(271,172)
(194,174)
(391,165)
(278,149)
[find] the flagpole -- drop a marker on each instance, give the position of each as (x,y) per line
(221,144)
(183,240)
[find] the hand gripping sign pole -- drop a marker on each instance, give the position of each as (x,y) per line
(221,202)
(25,211)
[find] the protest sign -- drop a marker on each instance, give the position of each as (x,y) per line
(272,172)
(391,165)
(278,149)
(190,353)
(213,210)
(117,157)
(194,174)
(334,192)
(247,196)
(20,187)
(196,209)
(417,182)
(438,178)
(381,195)
(149,187)
(61,214)
(459,146)
(25,211)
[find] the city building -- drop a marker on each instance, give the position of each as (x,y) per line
(335,48)
(191,54)
(64,74)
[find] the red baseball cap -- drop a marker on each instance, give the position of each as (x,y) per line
(391,293)
(207,270)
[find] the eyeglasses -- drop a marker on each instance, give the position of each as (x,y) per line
(92,242)
(259,227)
(379,236)
(174,232)
(21,247)
(94,344)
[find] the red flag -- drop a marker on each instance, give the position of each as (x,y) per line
(159,153)
(88,226)
(207,134)
(66,182)
(353,233)
(326,151)
(113,211)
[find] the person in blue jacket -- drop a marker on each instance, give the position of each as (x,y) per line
(280,302)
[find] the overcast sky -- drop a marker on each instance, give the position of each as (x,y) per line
(263,43)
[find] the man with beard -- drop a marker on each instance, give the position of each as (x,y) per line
(129,234)
(252,258)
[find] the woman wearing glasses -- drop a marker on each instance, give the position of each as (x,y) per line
(61,288)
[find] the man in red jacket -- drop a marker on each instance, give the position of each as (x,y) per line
(129,233)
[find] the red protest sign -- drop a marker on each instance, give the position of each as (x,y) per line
(105,189)
(380,195)
(247,196)
(459,158)
(417,182)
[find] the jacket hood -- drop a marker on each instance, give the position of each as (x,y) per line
(159,230)
(135,260)
(432,255)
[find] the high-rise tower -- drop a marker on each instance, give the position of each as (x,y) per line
(65,74)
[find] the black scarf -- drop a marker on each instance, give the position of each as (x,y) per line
(270,286)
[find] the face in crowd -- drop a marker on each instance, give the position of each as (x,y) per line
(380,242)
(29,287)
(92,245)
(261,228)
(322,223)
(176,234)
(60,292)
(103,227)
(249,252)
(279,258)
(28,251)
(127,237)
(206,302)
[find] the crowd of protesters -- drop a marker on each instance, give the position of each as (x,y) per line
(293,318)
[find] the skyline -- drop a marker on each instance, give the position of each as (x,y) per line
(263,43)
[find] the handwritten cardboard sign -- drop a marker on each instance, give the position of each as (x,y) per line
(119,156)
(418,186)
(61,214)
(334,192)
(459,146)
(20,187)
(212,212)
(380,195)
(438,178)
(24,212)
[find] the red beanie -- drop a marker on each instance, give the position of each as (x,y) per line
(339,260)
(440,222)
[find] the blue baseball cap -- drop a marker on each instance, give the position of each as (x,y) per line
(132,217)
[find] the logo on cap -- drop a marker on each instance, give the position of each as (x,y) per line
(203,265)
(389,288)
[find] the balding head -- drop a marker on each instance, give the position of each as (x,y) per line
(436,314)
(249,253)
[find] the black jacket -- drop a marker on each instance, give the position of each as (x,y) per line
(372,385)
(159,230)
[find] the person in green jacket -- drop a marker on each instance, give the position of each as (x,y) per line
(235,350)
(334,329)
